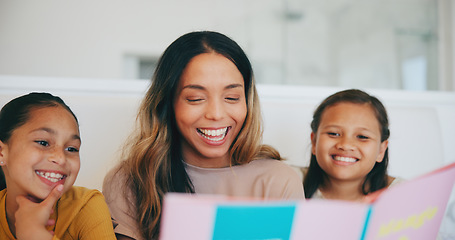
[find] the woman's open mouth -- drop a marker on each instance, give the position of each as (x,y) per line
(214,135)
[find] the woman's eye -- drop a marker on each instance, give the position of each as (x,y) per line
(232,99)
(72,149)
(194,100)
(42,143)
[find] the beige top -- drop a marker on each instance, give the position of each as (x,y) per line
(267,179)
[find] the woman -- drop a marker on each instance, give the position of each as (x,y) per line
(199,131)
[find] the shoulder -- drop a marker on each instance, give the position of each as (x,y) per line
(272,167)
(114,184)
(394,180)
(83,212)
(269,164)
(283,181)
(77,197)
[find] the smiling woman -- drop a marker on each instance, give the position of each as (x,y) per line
(199,131)
(210,108)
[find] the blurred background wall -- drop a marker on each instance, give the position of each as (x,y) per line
(391,44)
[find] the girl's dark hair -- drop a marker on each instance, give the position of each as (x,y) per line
(17,112)
(377,178)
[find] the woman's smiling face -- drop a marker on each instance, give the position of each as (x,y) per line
(42,153)
(210,108)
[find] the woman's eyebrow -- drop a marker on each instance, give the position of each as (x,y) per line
(194,86)
(235,85)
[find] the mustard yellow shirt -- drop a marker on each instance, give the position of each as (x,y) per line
(80,213)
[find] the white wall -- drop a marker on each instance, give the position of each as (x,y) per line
(311,42)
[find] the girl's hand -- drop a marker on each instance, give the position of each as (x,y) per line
(32,218)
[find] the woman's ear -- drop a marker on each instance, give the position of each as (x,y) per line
(382,150)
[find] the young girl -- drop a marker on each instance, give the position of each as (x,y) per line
(199,131)
(350,131)
(39,158)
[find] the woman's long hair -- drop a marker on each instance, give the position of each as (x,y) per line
(377,177)
(153,158)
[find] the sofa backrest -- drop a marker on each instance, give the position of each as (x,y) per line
(421,123)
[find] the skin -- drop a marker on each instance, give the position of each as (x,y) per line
(210,97)
(48,142)
(347,145)
(31,216)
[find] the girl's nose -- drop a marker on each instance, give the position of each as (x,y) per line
(345,144)
(57,156)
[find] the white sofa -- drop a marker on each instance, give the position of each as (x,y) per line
(421,123)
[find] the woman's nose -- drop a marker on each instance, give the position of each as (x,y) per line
(214,110)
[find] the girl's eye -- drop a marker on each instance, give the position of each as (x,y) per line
(362,137)
(42,143)
(333,134)
(72,149)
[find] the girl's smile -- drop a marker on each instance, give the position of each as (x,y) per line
(51,177)
(343,160)
(42,153)
(348,143)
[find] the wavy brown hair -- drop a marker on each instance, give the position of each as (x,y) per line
(152,156)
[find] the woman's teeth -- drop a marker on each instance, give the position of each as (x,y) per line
(344,159)
(51,176)
(213,135)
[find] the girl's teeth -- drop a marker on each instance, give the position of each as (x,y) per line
(53,177)
(345,159)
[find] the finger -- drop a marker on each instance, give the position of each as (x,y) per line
(50,222)
(21,200)
(55,194)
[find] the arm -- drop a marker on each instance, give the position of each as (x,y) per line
(32,218)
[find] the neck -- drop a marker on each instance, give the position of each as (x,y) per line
(203,162)
(11,208)
(342,190)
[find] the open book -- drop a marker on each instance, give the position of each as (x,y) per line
(410,210)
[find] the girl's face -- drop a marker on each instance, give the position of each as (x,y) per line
(348,141)
(42,153)
(210,108)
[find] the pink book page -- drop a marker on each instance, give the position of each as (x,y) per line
(412,209)
(329,219)
(187,216)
